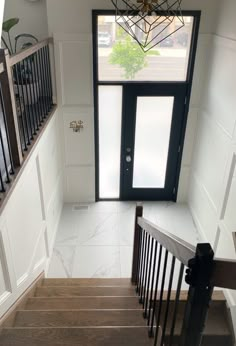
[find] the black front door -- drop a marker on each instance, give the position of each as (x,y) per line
(152,122)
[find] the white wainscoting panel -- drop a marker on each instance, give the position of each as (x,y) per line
(79,146)
(74,70)
(24,220)
(80,184)
(31,217)
(219,100)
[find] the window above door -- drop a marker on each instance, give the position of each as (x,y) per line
(121,59)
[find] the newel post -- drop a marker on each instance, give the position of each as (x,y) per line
(200,292)
(137,240)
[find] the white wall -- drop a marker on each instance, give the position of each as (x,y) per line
(32,15)
(212,193)
(29,221)
(72,30)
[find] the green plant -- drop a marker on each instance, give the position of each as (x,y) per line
(127,53)
(6,28)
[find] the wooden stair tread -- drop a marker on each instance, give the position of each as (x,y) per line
(217,296)
(75,337)
(81,318)
(76,303)
(87,282)
(95,291)
(216,323)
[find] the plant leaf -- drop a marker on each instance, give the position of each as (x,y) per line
(10,23)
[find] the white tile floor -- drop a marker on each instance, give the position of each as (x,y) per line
(98,242)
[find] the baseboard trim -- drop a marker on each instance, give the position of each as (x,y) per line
(7,319)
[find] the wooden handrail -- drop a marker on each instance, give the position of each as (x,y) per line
(150,273)
(25,53)
(224,273)
(182,250)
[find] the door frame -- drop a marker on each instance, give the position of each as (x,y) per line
(97,83)
(131,93)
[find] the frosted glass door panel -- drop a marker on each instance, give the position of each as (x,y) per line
(152,137)
(110,114)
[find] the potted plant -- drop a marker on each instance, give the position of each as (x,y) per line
(23,74)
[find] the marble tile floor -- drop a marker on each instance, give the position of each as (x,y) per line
(97,242)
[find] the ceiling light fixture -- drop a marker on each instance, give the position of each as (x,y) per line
(149,22)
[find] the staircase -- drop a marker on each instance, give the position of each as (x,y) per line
(101,312)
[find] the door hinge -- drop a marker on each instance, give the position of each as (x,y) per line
(174,191)
(179,150)
(185,101)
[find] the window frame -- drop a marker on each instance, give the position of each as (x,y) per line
(189,81)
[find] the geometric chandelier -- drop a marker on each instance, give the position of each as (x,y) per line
(149,22)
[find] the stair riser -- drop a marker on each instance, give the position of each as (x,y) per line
(87,282)
(76,337)
(94,318)
(85,291)
(82,303)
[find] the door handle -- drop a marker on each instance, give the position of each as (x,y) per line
(128,158)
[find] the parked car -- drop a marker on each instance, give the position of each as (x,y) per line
(104,39)
(167,42)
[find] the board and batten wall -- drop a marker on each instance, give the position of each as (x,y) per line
(71,28)
(29,221)
(212,193)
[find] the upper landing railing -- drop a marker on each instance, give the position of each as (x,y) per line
(160,261)
(26,102)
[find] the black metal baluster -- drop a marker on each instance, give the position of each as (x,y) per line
(152,284)
(50,75)
(43,83)
(12,170)
(168,300)
(146,272)
(149,278)
(26,109)
(34,82)
(181,273)
(4,157)
(156,291)
(1,182)
(23,124)
(161,296)
(31,104)
(26,84)
(39,87)
(47,79)
(141,263)
(140,259)
(144,267)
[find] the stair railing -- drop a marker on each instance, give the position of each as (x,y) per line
(26,102)
(160,261)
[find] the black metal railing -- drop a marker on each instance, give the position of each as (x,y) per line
(33,93)
(26,101)
(6,161)
(159,263)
